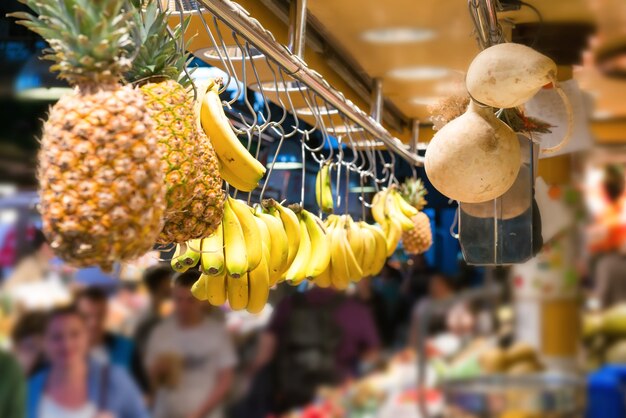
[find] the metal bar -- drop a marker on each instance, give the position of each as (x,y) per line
(297,27)
(239,20)
(495,32)
(340,60)
(415,136)
(377,99)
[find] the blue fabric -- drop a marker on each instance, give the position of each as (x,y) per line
(123,398)
(121,351)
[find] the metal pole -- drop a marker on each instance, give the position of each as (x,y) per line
(297,27)
(495,32)
(239,20)
(415,135)
(377,99)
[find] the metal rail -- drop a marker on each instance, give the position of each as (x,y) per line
(240,21)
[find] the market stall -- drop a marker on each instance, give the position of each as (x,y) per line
(196,135)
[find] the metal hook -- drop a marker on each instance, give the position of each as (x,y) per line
(271,168)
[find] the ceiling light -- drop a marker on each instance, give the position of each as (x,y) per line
(279,87)
(603,114)
(365,145)
(418,73)
(287,161)
(35,81)
(319,110)
(343,129)
(397,35)
(285,165)
(233,52)
(425,101)
(363,189)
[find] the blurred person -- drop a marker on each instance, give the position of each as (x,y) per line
(190,358)
(75,385)
(158,281)
(384,313)
(34,266)
(443,314)
(607,239)
(107,346)
(27,341)
(92,304)
(12,387)
(319,337)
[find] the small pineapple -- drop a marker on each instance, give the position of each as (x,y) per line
(194,188)
(101,183)
(419,239)
(413,191)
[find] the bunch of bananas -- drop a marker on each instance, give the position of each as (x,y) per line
(393,214)
(254,249)
(312,253)
(236,165)
(240,261)
(357,250)
(323,189)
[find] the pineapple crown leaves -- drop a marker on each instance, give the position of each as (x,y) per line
(90,40)
(413,190)
(162,52)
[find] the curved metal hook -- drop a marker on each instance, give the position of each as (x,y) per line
(271,168)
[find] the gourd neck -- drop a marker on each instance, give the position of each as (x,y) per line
(482,110)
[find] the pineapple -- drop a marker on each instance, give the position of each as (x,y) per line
(413,191)
(194,188)
(419,239)
(102,194)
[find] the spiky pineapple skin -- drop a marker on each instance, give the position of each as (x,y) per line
(167,104)
(194,193)
(419,239)
(101,183)
(204,213)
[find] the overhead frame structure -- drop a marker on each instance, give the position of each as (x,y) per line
(240,21)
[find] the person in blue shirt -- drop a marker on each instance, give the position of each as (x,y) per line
(75,384)
(109,347)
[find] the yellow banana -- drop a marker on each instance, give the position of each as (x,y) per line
(323,279)
(407,209)
(339,273)
(393,235)
(212,257)
(320,251)
(176,262)
(259,283)
(355,239)
(186,256)
(354,269)
(251,233)
(198,289)
(378,206)
(292,228)
(237,291)
(233,179)
(279,246)
(235,255)
(296,272)
(229,149)
(394,212)
(216,289)
(381,247)
(368,256)
(323,189)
